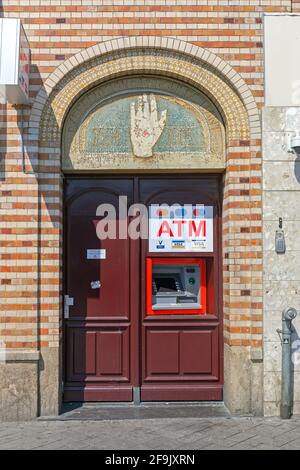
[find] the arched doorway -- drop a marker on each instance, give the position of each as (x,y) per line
(117,347)
(200,71)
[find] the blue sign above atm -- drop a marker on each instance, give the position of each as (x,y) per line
(187,228)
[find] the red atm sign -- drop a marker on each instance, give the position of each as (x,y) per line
(181,228)
(176,228)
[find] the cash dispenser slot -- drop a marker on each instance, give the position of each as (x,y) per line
(176,286)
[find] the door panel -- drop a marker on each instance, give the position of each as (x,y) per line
(103,302)
(113,354)
(162,352)
(196,345)
(181,353)
(98,354)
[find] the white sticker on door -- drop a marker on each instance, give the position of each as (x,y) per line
(95,284)
(95,254)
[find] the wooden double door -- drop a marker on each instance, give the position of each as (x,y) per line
(113,350)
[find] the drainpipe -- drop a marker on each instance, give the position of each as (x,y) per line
(286,405)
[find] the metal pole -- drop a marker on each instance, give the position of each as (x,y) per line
(286,406)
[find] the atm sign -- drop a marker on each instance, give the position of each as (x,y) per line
(186,228)
(195,228)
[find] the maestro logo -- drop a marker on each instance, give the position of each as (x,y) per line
(160,245)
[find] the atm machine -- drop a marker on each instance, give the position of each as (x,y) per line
(176,286)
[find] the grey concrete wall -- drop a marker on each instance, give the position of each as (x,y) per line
(19,400)
(281,198)
(243,392)
(30,384)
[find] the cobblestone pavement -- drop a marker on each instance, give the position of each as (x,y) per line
(164,433)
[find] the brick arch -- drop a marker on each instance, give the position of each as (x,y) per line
(161,56)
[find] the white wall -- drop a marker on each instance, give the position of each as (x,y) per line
(282,59)
(281,196)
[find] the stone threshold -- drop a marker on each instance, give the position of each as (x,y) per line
(149,410)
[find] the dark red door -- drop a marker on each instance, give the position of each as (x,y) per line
(182,354)
(99,335)
(112,347)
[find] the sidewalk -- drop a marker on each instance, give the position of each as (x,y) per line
(76,430)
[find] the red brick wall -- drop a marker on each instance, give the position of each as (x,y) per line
(57,30)
(232,31)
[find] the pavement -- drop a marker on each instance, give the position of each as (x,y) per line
(157,427)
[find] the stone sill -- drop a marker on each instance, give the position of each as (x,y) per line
(15,355)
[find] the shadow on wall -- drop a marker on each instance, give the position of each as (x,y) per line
(297,168)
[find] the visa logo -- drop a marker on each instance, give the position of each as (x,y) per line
(178,243)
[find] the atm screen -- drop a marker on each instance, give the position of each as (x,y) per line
(165,284)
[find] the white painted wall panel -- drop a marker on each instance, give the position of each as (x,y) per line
(282,59)
(14,61)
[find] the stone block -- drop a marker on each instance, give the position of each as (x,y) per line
(272,350)
(272,386)
(281,176)
(257,391)
(282,267)
(280,294)
(278,204)
(274,147)
(274,119)
(18,391)
(271,408)
(237,386)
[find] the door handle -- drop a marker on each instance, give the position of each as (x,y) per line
(68,302)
